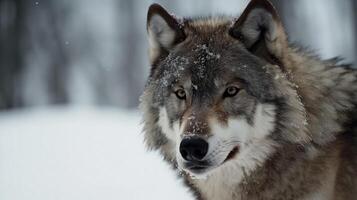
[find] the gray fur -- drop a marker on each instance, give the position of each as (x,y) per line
(315,130)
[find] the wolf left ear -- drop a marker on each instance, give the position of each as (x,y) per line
(164,32)
(261,30)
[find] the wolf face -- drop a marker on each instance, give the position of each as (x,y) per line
(216,93)
(209,107)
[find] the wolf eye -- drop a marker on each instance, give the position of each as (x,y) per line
(180,94)
(231,91)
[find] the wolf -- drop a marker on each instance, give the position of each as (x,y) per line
(240,113)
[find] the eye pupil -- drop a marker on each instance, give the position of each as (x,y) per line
(231,91)
(181,94)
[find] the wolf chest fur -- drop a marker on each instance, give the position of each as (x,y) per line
(242,114)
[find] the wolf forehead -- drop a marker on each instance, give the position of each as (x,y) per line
(207,36)
(209,28)
(209,57)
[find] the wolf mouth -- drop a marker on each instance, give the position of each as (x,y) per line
(197,167)
(232,154)
(203,166)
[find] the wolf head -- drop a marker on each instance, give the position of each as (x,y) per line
(218,92)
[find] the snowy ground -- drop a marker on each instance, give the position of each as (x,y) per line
(80,153)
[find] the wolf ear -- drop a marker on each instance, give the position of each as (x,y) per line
(261,30)
(164,32)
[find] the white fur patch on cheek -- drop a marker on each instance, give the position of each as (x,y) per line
(239,132)
(259,146)
(236,129)
(225,138)
(264,120)
(256,147)
(172,133)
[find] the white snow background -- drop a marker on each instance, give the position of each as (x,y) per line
(65,153)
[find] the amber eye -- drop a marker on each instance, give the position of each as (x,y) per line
(231,91)
(180,94)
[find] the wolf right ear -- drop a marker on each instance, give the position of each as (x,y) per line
(164,32)
(261,30)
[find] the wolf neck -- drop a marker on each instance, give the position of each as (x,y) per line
(327,91)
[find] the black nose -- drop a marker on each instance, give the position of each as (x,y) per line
(193,148)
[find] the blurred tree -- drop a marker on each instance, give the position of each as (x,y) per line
(355,28)
(12,15)
(31,28)
(59,63)
(130,62)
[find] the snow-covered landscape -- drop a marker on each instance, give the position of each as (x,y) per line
(74,153)
(91,57)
